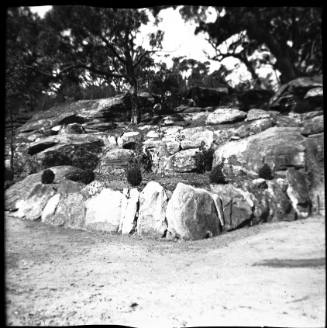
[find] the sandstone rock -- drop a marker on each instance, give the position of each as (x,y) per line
(191,213)
(256,114)
(225,115)
(297,191)
(104,211)
(152,212)
(129,139)
(31,206)
(280,206)
(290,96)
(314,92)
(313,126)
(237,205)
(70,212)
(93,188)
(127,225)
(114,158)
(183,161)
(269,145)
(159,154)
(22,188)
(193,137)
(50,208)
(315,164)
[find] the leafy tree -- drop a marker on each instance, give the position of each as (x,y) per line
(101,42)
(292,34)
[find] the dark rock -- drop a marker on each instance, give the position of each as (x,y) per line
(205,97)
(254,98)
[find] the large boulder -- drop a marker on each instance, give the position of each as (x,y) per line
(193,137)
(192,214)
(128,223)
(114,159)
(32,205)
(105,211)
(297,192)
(22,188)
(152,211)
(237,205)
(225,115)
(295,96)
(313,125)
(183,161)
(67,210)
(279,147)
(280,206)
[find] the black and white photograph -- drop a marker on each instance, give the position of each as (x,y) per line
(164,166)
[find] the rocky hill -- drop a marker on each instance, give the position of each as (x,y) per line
(271,158)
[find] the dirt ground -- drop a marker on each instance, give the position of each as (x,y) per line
(272,274)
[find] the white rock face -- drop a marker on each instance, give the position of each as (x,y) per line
(192,214)
(129,205)
(256,114)
(32,206)
(105,211)
(152,213)
(225,115)
(50,208)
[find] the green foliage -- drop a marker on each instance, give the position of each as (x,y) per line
(203,159)
(217,175)
(47,176)
(134,175)
(292,35)
(265,172)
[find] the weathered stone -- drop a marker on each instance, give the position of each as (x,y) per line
(152,212)
(105,211)
(256,114)
(297,191)
(183,161)
(269,146)
(290,96)
(70,212)
(50,208)
(237,205)
(193,137)
(313,126)
(225,115)
(114,158)
(127,224)
(93,188)
(32,205)
(192,214)
(22,188)
(280,206)
(129,139)
(159,154)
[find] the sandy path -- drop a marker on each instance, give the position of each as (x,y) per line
(272,274)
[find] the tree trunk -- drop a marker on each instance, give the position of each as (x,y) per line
(135,112)
(284,63)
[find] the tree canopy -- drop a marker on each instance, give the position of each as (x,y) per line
(292,34)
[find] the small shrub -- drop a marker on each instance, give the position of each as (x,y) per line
(217,175)
(54,158)
(47,176)
(265,172)
(84,176)
(134,175)
(203,159)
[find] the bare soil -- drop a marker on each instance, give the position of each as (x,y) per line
(271,274)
